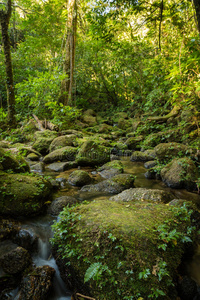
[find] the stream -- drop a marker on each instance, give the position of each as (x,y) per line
(41,225)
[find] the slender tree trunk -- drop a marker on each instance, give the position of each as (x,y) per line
(160,25)
(196,4)
(4,19)
(69,54)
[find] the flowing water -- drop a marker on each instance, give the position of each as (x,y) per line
(41,226)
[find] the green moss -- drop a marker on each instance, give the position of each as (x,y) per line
(115,164)
(79,178)
(63,154)
(118,249)
(92,153)
(43,140)
(22,194)
(12,163)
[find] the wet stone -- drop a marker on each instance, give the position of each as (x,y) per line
(26,239)
(62,166)
(38,284)
(15,261)
(59,203)
(79,178)
(39,167)
(150,164)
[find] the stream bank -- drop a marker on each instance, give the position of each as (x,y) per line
(83,166)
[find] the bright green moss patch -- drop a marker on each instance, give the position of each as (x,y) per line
(124,251)
(22,195)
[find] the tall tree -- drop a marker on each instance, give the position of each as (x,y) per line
(197,9)
(5,15)
(69,53)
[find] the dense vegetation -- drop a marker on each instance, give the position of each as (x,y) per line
(111,78)
(135,56)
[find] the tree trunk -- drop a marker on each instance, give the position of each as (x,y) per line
(197,10)
(69,55)
(4,19)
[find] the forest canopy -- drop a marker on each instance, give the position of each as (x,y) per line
(72,55)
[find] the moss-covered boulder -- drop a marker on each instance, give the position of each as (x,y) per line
(104,128)
(63,154)
(43,140)
(123,124)
(114,185)
(133,143)
(33,157)
(150,164)
(89,117)
(142,156)
(120,251)
(58,204)
(166,151)
(79,178)
(62,141)
(92,153)
(111,169)
(13,163)
(180,173)
(143,194)
(23,195)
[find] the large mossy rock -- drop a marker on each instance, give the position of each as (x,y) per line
(180,173)
(133,143)
(143,156)
(111,169)
(22,195)
(62,141)
(9,162)
(114,185)
(166,151)
(142,194)
(43,140)
(79,178)
(92,153)
(89,117)
(123,251)
(63,154)
(58,204)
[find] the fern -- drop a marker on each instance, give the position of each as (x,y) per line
(92,271)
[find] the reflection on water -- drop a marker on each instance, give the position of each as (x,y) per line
(138,169)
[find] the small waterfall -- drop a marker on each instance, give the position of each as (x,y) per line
(44,257)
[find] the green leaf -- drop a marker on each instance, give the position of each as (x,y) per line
(92,271)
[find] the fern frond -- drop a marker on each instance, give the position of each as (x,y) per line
(92,271)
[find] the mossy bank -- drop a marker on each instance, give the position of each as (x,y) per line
(129,251)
